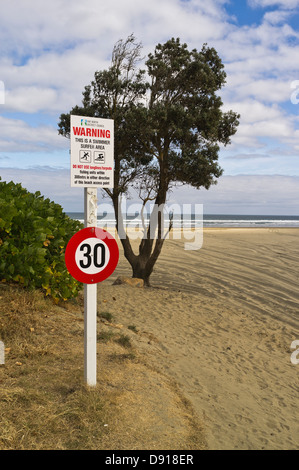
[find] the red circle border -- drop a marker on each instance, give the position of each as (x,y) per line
(91,232)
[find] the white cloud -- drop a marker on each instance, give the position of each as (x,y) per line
(59,24)
(253,111)
(52,183)
(260,123)
(271,3)
(65,44)
(49,52)
(31,99)
(247,194)
(18,136)
(244,86)
(278,16)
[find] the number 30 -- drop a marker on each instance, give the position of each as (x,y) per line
(93,257)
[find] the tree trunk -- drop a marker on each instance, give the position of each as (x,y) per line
(140,271)
(143,265)
(150,247)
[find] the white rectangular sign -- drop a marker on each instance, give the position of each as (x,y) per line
(92,152)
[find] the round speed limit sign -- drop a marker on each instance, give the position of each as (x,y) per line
(91,255)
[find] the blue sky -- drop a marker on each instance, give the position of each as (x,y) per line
(50,51)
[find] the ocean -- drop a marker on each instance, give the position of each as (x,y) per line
(208,220)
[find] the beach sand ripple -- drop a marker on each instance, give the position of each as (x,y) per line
(220,322)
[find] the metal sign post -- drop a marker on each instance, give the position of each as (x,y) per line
(91,256)
(92,167)
(90,299)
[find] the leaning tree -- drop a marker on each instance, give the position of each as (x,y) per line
(168,126)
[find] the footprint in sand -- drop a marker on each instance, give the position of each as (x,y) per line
(243,419)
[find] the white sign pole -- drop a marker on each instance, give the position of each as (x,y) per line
(92,167)
(90,299)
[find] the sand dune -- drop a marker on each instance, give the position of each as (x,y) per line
(220,321)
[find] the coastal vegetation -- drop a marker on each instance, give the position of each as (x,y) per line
(34,232)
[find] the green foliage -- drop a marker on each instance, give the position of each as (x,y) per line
(185,110)
(34,233)
(106,316)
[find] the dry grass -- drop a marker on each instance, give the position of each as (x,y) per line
(44,403)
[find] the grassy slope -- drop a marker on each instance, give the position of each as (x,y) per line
(44,403)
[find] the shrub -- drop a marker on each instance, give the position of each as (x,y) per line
(106,316)
(34,232)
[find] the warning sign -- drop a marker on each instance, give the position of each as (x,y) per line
(92,152)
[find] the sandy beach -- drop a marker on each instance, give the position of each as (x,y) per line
(220,322)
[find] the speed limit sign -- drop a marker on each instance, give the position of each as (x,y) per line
(91,255)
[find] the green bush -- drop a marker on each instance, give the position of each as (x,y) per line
(34,232)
